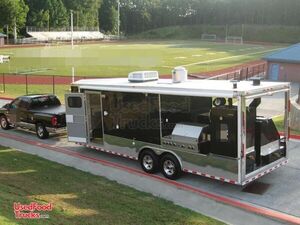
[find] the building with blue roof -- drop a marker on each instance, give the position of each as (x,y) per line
(284,65)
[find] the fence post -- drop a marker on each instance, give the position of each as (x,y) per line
(53,84)
(26,82)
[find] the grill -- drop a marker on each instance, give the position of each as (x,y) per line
(189,137)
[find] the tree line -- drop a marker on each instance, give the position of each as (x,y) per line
(140,15)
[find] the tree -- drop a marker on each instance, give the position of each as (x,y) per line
(47,13)
(108,16)
(13,12)
(57,13)
(85,12)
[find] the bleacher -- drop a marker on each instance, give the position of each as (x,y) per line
(66,35)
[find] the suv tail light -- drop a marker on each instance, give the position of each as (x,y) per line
(54,121)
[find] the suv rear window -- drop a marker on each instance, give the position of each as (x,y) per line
(45,101)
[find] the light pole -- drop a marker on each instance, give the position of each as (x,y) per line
(15,32)
(7,38)
(72,43)
(72,38)
(119,19)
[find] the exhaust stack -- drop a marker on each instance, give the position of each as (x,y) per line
(179,74)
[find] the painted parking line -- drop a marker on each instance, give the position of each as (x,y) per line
(222,199)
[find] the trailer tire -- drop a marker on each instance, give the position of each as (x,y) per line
(170,167)
(41,131)
(4,122)
(149,161)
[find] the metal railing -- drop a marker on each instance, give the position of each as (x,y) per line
(245,73)
(59,29)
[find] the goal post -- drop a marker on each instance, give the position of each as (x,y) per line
(234,39)
(208,37)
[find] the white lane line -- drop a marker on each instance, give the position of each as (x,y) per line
(34,71)
(229,57)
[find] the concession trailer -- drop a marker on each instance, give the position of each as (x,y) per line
(211,128)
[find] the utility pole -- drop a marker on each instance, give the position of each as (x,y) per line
(77,19)
(119,19)
(7,38)
(72,38)
(243,31)
(47,14)
(226,33)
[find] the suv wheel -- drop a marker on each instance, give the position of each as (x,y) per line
(4,123)
(41,131)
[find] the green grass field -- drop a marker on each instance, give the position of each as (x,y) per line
(15,90)
(118,59)
(79,197)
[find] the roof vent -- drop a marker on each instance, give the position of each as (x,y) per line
(256,81)
(143,76)
(234,83)
(179,74)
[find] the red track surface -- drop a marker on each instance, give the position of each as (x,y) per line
(226,200)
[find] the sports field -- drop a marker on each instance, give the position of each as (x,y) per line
(118,59)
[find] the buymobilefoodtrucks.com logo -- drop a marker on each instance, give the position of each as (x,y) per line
(33,210)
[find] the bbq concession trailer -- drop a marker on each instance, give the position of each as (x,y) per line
(210,128)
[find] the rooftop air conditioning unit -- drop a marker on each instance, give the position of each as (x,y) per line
(143,76)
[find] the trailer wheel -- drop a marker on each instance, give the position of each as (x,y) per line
(170,167)
(4,123)
(149,161)
(41,131)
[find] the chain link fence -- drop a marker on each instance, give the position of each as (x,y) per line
(24,84)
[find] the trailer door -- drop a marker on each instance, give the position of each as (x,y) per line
(76,117)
